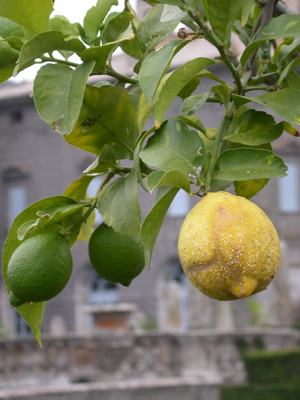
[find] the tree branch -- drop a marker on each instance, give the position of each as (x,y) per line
(266,16)
(282,8)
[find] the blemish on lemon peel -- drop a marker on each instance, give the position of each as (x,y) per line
(228,247)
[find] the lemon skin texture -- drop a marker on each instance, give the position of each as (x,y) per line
(39,268)
(115,257)
(228,247)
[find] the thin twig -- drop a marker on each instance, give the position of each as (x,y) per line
(282,8)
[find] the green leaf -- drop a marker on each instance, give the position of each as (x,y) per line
(58,94)
(115,26)
(100,54)
(77,189)
(177,3)
(193,103)
(106,117)
(250,187)
(155,66)
(204,3)
(292,81)
(284,26)
(58,212)
(46,42)
(222,94)
(176,81)
(87,228)
(105,161)
(246,11)
(33,314)
(153,222)
(193,121)
(53,219)
(171,178)
(152,27)
(95,16)
(33,15)
(144,111)
(8,55)
(6,72)
(247,163)
(209,75)
(119,206)
(190,87)
(62,24)
(285,50)
(253,128)
(175,147)
(172,13)
(222,15)
(9,28)
(289,68)
(285,102)
(53,215)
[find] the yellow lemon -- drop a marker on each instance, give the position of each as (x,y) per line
(228,247)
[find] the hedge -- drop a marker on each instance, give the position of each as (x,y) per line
(273,367)
(261,392)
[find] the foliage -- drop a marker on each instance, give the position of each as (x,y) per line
(272,375)
(261,392)
(107,118)
(280,366)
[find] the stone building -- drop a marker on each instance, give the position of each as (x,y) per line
(36,163)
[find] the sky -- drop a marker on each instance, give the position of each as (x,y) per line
(75,11)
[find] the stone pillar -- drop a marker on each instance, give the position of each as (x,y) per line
(168,306)
(283,304)
(225,319)
(199,309)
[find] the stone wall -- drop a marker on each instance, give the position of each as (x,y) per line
(212,357)
(156,389)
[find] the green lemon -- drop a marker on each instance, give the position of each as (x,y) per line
(115,257)
(39,268)
(228,247)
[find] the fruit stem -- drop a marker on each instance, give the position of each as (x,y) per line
(216,146)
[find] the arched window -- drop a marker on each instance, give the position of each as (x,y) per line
(15,179)
(101,291)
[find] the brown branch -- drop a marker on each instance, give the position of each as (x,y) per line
(282,8)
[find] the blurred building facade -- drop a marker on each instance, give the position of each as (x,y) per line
(35,162)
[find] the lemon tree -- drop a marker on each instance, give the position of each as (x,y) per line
(107,116)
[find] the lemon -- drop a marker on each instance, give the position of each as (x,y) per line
(39,268)
(228,247)
(115,257)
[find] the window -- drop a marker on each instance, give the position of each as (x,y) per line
(180,205)
(16,202)
(179,276)
(101,291)
(289,190)
(92,191)
(20,326)
(16,116)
